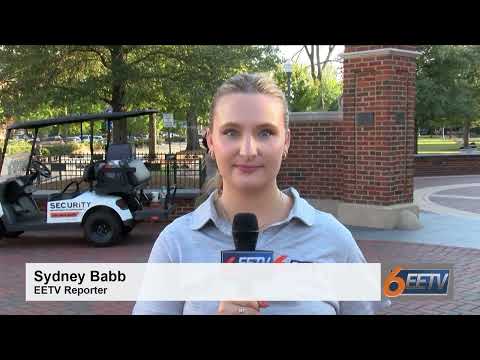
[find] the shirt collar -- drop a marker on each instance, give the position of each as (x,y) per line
(301,210)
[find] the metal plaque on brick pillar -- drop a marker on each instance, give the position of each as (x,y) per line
(365,118)
(399,117)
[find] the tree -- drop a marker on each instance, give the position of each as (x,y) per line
(203,69)
(120,76)
(305,92)
(317,67)
(448,87)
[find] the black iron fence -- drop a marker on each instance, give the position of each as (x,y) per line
(184,170)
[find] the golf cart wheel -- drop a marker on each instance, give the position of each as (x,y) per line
(13,234)
(126,229)
(102,228)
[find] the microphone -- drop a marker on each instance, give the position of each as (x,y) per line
(245,235)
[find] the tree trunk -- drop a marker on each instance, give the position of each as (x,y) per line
(319,80)
(152,135)
(466,134)
(192,132)
(118,93)
(8,121)
(311,57)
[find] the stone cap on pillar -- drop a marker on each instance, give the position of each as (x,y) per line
(380,52)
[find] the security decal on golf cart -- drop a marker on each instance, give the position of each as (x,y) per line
(66,208)
(109,208)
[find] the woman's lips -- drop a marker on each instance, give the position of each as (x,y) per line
(247,168)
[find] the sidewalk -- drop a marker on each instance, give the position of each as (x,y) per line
(450,214)
(444,230)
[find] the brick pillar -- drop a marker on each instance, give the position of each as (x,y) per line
(377,133)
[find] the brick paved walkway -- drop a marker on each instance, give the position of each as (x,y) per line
(71,248)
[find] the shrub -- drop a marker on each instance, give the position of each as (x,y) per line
(65,149)
(17,146)
(22,146)
(44,151)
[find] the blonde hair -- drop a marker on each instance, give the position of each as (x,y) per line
(241,84)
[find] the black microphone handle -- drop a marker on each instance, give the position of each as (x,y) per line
(245,241)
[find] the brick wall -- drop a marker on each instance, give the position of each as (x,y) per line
(313,159)
(445,165)
(378,159)
(345,160)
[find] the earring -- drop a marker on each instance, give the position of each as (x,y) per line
(212,154)
(284,155)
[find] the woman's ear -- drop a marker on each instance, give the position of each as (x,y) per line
(208,136)
(287,140)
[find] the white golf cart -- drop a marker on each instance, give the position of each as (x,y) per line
(108,208)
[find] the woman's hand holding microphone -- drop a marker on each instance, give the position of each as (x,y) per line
(241,307)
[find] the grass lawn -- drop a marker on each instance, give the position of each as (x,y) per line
(437,145)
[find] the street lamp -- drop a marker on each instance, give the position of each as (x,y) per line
(288,69)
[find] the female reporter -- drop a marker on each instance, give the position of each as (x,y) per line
(248,137)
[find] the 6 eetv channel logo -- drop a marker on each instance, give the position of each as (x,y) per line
(419,281)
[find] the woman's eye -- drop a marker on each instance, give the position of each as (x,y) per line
(230,132)
(263,133)
(266,133)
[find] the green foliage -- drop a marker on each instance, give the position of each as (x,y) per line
(17,146)
(47,81)
(330,90)
(306,93)
(22,146)
(448,88)
(438,145)
(199,70)
(61,149)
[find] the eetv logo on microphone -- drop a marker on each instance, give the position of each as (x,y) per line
(417,281)
(256,256)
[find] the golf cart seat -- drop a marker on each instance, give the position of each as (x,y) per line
(18,196)
(120,152)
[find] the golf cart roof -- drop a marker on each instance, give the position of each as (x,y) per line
(79,118)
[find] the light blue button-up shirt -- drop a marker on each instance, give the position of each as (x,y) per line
(307,234)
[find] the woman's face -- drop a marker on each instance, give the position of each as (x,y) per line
(248,139)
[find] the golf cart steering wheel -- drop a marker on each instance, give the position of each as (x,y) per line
(42,169)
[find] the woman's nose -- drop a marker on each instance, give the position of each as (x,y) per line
(248,147)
